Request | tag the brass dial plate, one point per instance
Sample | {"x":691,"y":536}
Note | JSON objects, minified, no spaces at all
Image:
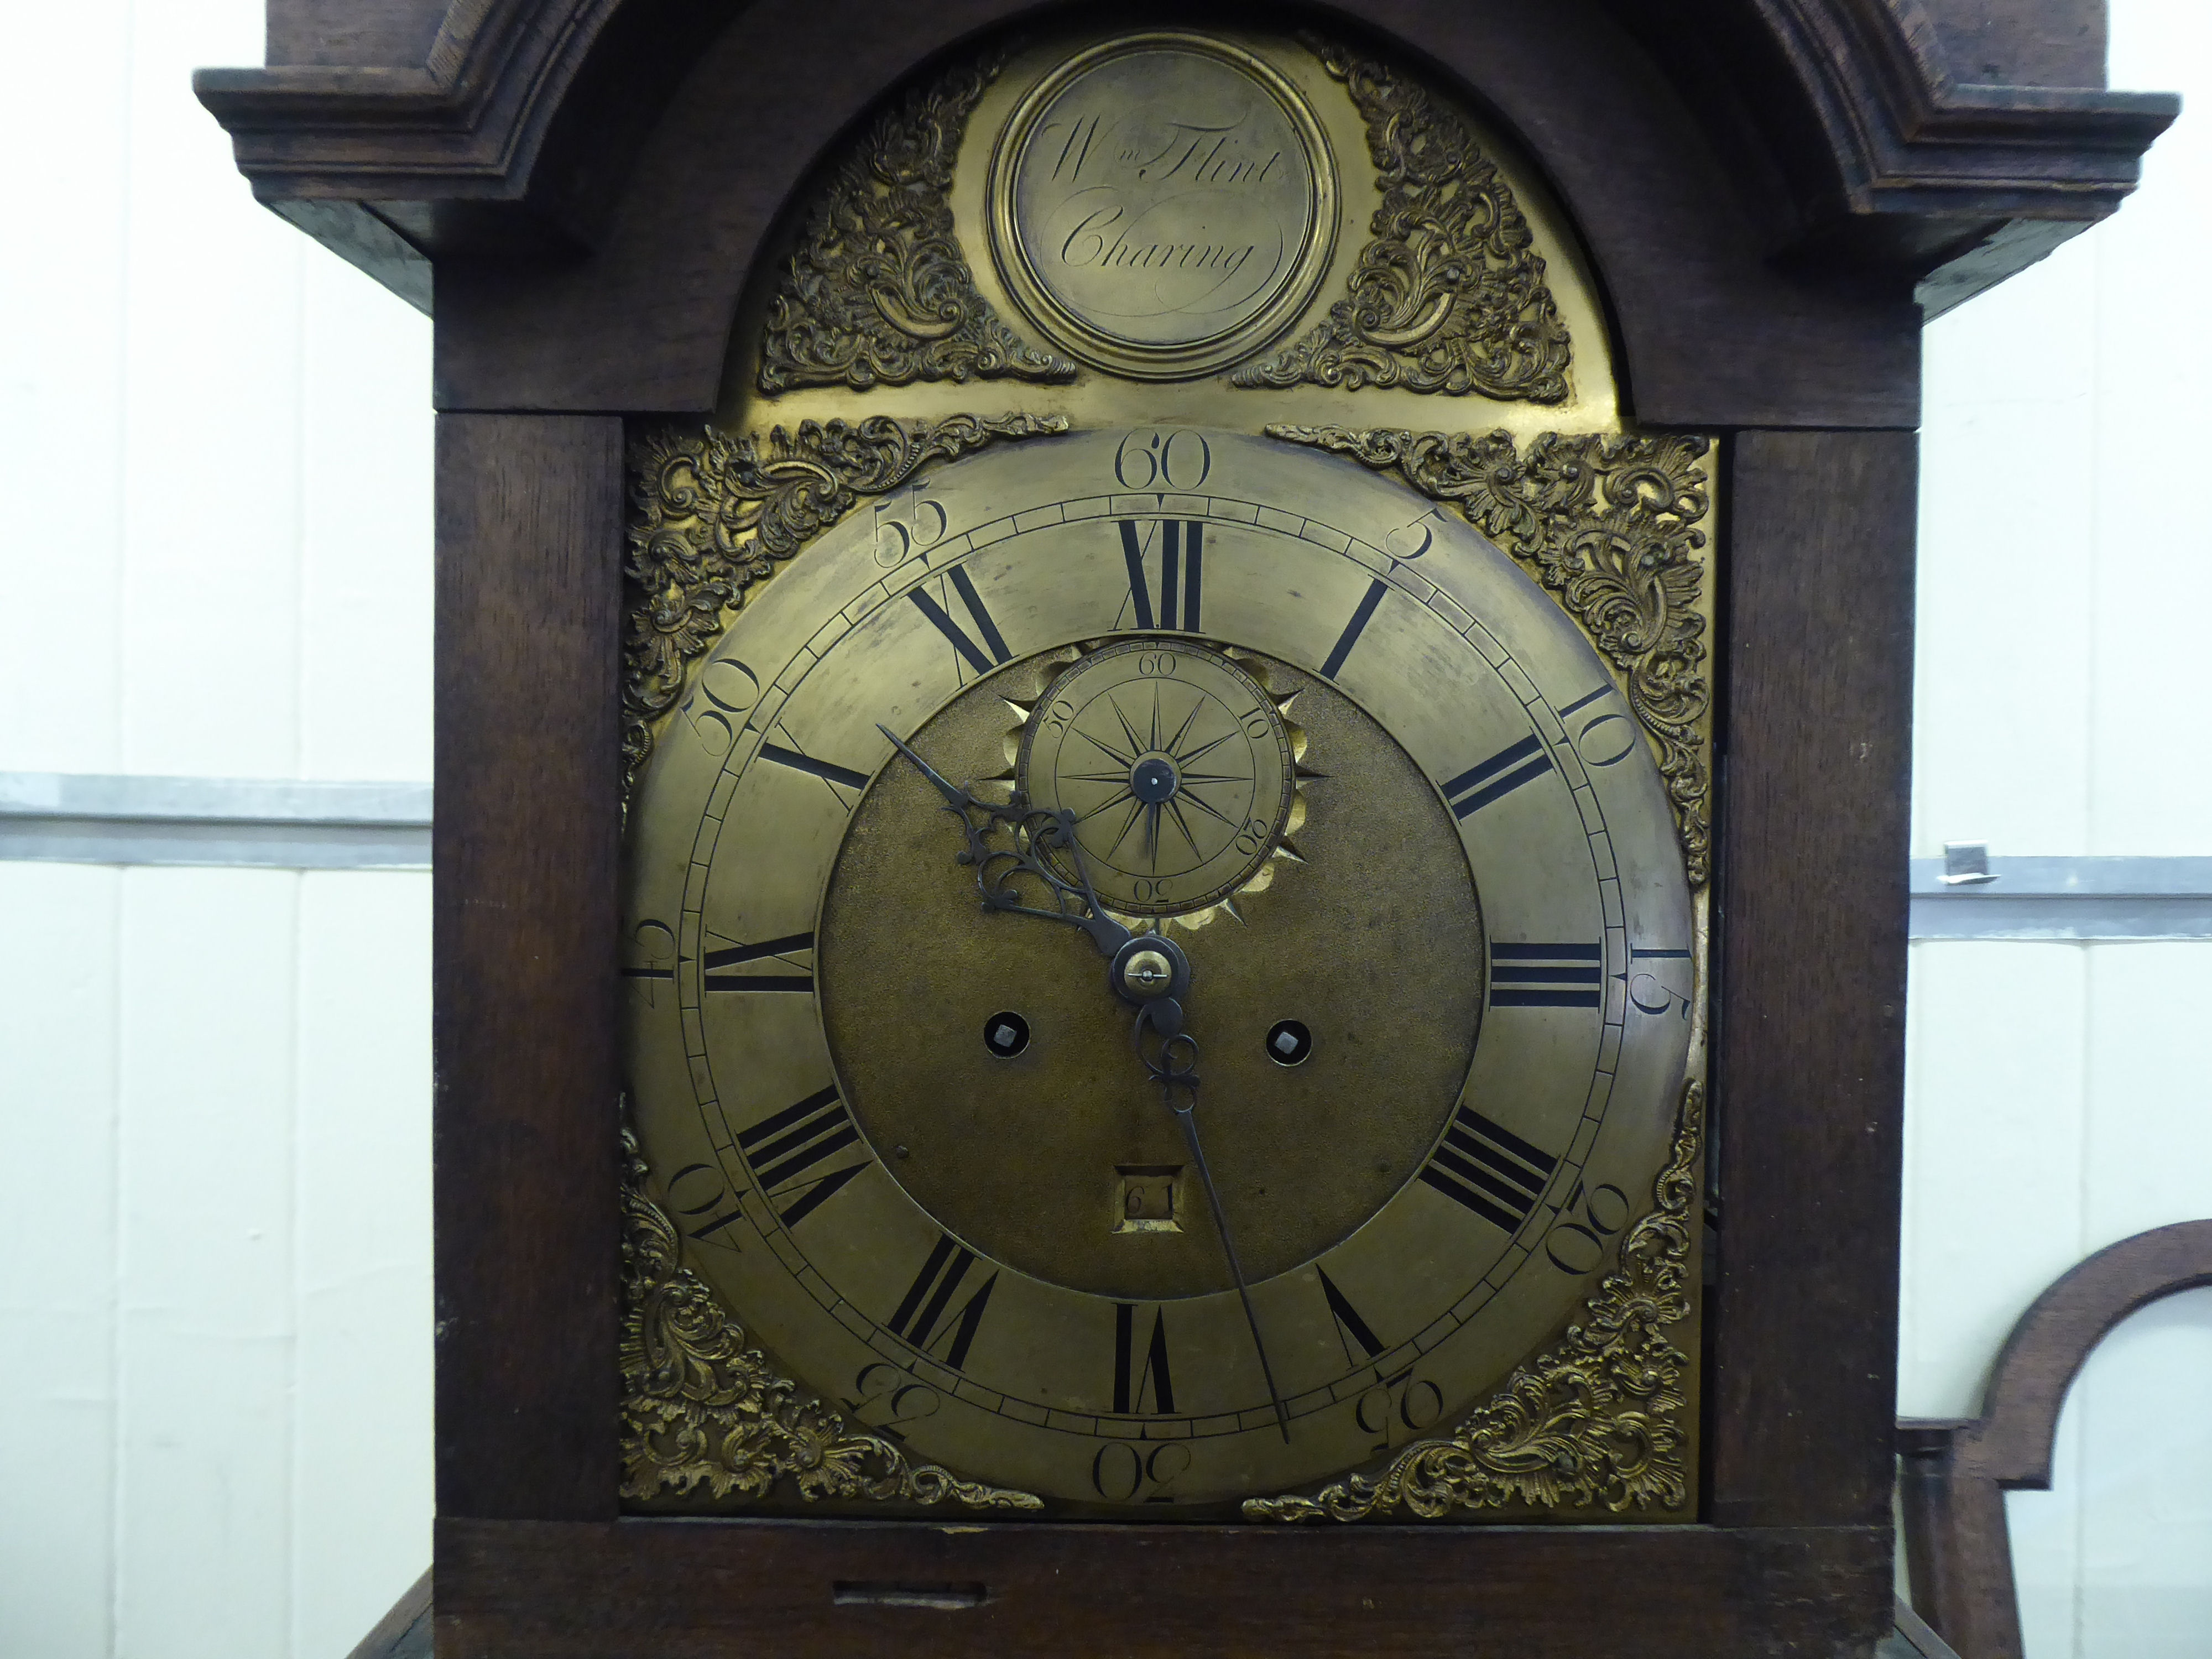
{"x":776,"y":1166}
{"x":1069,"y":1113}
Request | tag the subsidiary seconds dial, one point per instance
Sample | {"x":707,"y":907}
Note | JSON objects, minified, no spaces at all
{"x":1177,"y":764}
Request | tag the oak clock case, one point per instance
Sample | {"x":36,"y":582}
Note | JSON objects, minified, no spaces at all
{"x":1162,"y":964}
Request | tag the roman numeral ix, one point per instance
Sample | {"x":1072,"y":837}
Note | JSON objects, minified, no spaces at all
{"x":1489,"y":1169}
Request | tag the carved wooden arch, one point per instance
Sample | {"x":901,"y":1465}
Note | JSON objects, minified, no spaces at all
{"x":1955,"y":1473}
{"x":598,"y":142}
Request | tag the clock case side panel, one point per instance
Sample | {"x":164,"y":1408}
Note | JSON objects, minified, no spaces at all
{"x":1810,"y":952}
{"x":525,"y":860}
{"x":1805,"y":1062}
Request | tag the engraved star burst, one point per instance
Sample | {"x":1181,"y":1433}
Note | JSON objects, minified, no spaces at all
{"x":1147,"y":727}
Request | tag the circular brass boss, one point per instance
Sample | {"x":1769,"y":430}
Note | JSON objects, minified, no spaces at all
{"x":1162,"y":205}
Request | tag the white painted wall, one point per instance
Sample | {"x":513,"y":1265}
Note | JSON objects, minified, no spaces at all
{"x":214,"y":559}
{"x":2058,"y":1099}
{"x":215,"y":466}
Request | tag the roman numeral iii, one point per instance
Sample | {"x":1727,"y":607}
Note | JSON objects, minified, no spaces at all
{"x":722,"y":966}
{"x":1489,"y":1169}
{"x":1546,"y":976}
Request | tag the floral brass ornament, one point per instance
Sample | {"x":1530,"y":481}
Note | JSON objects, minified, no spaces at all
{"x":1614,"y":526}
{"x":1596,"y":1423}
{"x":712,"y":515}
{"x":702,"y":1412}
{"x":1448,"y":295}
{"x":878,"y":292}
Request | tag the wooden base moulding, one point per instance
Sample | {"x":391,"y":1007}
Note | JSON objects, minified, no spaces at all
{"x":690,"y":1590}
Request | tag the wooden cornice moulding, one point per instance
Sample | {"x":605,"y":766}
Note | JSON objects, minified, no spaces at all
{"x":1959,"y":182}
{"x":465,"y":119}
{"x":1915,"y":166}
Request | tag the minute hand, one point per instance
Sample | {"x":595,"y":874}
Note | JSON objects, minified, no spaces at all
{"x":1179,"y":1085}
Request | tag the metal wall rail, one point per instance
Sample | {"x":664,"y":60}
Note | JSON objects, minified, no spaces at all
{"x":69,"y":818}
{"x":2064,"y":898}
{"x":63,"y":818}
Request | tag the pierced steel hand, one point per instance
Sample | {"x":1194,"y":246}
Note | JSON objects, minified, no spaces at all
{"x":997,"y":867}
{"x":1175,"y":1071}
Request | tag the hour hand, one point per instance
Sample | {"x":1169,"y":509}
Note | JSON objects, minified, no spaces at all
{"x":998,"y":868}
{"x":955,"y":797}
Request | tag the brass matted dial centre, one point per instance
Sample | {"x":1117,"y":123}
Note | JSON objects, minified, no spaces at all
{"x":1027,"y":1159}
{"x":1178,"y":766}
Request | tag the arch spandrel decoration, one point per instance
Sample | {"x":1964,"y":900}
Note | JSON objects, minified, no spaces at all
{"x":1457,"y":292}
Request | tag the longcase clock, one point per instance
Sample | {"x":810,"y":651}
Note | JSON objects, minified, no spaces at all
{"x":1171,"y":786}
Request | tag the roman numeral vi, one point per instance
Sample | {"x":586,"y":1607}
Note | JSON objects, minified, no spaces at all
{"x":1133,"y":1377}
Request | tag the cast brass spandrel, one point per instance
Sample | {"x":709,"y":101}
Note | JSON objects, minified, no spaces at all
{"x":880,"y":292}
{"x":712,"y":514}
{"x":704,"y":1414}
{"x":1602,"y":1422}
{"x":1450,"y":295}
